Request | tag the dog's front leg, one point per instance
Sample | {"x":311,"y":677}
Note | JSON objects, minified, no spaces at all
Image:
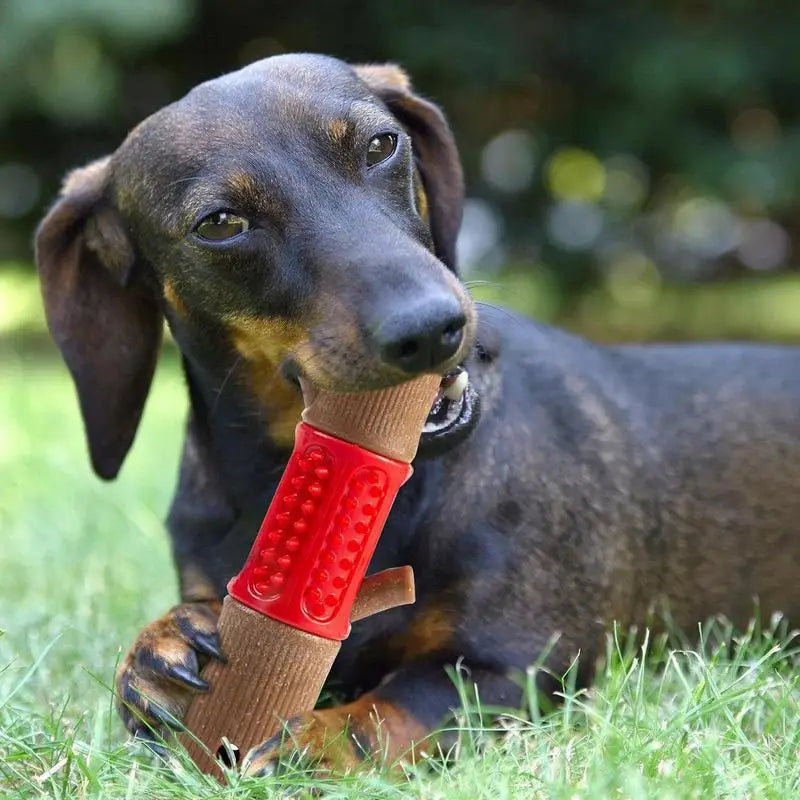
{"x":161,"y":672}
{"x":398,"y":721}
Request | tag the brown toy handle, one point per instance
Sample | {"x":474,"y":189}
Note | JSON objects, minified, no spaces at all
{"x":273,"y":672}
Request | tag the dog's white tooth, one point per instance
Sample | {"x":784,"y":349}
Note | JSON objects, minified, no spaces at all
{"x":456,"y":389}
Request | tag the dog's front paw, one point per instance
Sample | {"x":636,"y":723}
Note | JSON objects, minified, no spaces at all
{"x":324,"y":740}
{"x":161,"y":672}
{"x":340,"y":739}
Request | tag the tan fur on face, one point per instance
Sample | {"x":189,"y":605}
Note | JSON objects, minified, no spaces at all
{"x":172,"y":298}
{"x":264,"y":343}
{"x":243,"y":184}
{"x":336,"y":353}
{"x":421,"y":197}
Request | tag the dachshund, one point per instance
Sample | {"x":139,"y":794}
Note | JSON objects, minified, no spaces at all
{"x":297,"y":220}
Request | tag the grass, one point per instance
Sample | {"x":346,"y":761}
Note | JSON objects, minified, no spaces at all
{"x":83,"y":565}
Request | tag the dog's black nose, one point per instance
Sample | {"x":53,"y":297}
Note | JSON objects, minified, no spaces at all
{"x":423,"y":336}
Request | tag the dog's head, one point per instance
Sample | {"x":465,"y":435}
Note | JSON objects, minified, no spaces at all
{"x":295,"y":218}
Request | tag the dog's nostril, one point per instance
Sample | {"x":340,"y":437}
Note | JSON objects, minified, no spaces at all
{"x":408,"y":348}
{"x":450,"y":339}
{"x":409,"y":353}
{"x":452,"y":334}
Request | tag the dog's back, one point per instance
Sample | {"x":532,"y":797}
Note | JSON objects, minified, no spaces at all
{"x":639,"y":473}
{"x":723,"y":425}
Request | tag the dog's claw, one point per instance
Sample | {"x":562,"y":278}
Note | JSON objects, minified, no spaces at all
{"x":148,"y":739}
{"x":209,"y":644}
{"x":187,"y":677}
{"x":165,"y":718}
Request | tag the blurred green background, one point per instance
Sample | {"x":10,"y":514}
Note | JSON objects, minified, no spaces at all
{"x":633,"y":167}
{"x":633,"y":172}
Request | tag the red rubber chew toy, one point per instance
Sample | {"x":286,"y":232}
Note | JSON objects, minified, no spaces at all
{"x":291,"y":605}
{"x":319,"y":534}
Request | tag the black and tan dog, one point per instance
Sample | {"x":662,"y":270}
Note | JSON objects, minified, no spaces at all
{"x":297,"y":219}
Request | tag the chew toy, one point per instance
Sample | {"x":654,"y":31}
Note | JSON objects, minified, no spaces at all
{"x":287,"y":611}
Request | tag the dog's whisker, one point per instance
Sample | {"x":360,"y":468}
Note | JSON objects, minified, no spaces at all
{"x":471,"y":284}
{"x":509,"y":315}
{"x":221,"y":388}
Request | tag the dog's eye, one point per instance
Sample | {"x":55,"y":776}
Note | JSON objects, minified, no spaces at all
{"x":380,"y":148}
{"x":221,"y":225}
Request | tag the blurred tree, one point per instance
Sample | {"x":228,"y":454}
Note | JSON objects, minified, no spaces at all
{"x":633,"y":141}
{"x":65,"y":95}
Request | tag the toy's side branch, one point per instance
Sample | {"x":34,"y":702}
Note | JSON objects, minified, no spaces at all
{"x":290,"y":606}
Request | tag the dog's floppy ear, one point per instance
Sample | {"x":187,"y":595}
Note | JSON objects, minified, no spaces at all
{"x":434,"y":149}
{"x":107,"y":327}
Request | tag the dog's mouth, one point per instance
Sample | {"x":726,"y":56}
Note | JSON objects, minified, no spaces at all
{"x":454,"y":413}
{"x":451,"y":401}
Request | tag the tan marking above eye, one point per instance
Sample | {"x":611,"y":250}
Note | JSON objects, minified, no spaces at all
{"x":244,"y":185}
{"x":337,"y":129}
{"x":384,"y":76}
